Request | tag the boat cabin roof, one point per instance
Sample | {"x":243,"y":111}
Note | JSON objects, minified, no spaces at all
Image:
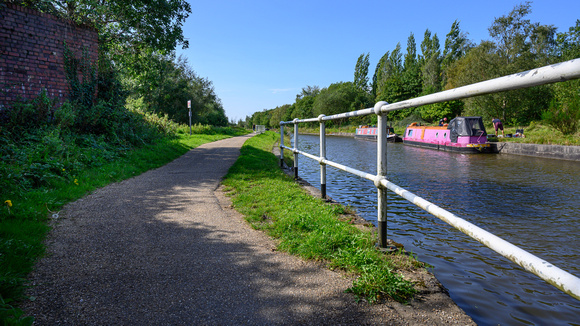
{"x":467,"y":126}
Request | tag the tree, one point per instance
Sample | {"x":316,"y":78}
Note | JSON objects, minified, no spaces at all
{"x":308,"y":91}
{"x":519,"y":46}
{"x":564,"y":111}
{"x":456,"y":46}
{"x":411,"y":76}
{"x":389,"y":83}
{"x":302,"y":107}
{"x":431,"y":63}
{"x":378,"y":75}
{"x":168,"y":83}
{"x":361,"y":72}
{"x":338,"y":98}
{"x":279,"y":114}
{"x":142,"y":23}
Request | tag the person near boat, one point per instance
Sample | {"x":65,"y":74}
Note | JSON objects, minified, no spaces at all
{"x":497,"y":125}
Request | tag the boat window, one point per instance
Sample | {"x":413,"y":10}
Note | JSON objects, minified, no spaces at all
{"x":445,"y":135}
{"x":436,"y":135}
{"x":410,"y":133}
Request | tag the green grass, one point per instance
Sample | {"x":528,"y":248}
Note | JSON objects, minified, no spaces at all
{"x":537,"y":133}
{"x":23,"y":224}
{"x":307,"y":226}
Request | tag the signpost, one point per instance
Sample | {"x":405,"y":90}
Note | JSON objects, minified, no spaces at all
{"x":189,"y":107}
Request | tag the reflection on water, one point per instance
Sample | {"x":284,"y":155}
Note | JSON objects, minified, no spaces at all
{"x":531,"y":202}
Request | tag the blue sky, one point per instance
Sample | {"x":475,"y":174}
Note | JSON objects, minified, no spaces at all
{"x":260,"y":54}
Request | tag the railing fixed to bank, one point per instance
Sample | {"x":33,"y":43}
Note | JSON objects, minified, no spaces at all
{"x":564,"y":71}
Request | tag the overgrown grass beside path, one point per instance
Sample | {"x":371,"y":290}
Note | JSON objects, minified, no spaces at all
{"x":308,"y":226}
{"x":36,"y":185}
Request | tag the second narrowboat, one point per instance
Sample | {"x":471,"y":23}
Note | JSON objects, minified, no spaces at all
{"x":371,"y":133}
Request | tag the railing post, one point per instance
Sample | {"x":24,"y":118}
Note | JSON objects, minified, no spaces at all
{"x":322,"y":156}
{"x":381,"y":173}
{"x":295,"y":148}
{"x":281,"y":145}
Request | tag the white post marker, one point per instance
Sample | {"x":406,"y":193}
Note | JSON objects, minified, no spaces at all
{"x":189,"y":107}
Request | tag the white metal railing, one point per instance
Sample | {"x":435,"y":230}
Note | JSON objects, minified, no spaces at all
{"x":564,"y":71}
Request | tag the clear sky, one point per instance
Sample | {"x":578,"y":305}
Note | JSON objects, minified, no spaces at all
{"x":260,"y":53}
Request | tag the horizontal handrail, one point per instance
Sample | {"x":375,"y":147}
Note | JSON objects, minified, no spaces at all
{"x":567,"y":282}
{"x":561,"y":279}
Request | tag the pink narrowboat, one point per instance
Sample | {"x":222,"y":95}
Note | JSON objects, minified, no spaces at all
{"x":462,"y":134}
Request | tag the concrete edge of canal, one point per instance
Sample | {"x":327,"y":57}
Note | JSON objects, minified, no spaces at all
{"x":560,"y":152}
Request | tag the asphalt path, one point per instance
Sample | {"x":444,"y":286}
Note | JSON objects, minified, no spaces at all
{"x":166,"y":248}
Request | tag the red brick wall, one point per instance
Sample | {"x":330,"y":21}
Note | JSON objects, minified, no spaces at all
{"x":31,"y":53}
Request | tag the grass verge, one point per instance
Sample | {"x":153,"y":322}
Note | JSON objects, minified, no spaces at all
{"x":23,"y":217}
{"x":307,"y":226}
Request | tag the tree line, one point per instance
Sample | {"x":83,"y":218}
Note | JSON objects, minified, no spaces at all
{"x":516,"y":45}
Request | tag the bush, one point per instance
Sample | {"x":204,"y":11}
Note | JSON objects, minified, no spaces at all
{"x":564,"y":111}
{"x":23,"y":115}
{"x":65,"y":115}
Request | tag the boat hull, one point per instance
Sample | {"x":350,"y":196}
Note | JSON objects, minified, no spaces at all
{"x":372,"y":133}
{"x":470,"y":148}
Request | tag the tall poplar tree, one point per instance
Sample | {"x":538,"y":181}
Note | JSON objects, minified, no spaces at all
{"x":361,"y":72}
{"x":431,"y":63}
{"x":411,"y":71}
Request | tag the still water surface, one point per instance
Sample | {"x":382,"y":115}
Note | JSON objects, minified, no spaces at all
{"x":533,"y":203}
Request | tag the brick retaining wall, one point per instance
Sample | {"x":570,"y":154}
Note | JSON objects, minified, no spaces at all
{"x":31,"y":53}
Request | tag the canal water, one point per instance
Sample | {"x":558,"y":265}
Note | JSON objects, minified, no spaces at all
{"x":533,"y":203}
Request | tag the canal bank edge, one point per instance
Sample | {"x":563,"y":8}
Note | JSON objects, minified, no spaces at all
{"x":431,"y":302}
{"x":560,"y":152}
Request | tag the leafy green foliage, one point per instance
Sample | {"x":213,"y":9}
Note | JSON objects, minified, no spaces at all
{"x":430,"y":63}
{"x":32,"y":114}
{"x":11,"y":316}
{"x":519,"y":46}
{"x":153,"y":24}
{"x":168,"y":83}
{"x":361,"y":71}
{"x":564,"y":111}
{"x":339,"y":98}
{"x":434,"y":112}
{"x":82,"y":88}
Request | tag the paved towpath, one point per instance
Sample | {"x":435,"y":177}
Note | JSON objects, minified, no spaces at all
{"x":164,"y":248}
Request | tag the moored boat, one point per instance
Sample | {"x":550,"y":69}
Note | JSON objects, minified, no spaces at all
{"x":371,"y":133}
{"x":462,"y":134}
